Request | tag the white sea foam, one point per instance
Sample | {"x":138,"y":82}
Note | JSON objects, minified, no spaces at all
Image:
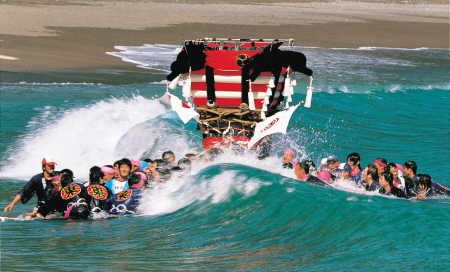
{"x":148,"y":56}
{"x":82,"y":137}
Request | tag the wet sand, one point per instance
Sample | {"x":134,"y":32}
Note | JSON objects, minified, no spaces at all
{"x":64,"y":35}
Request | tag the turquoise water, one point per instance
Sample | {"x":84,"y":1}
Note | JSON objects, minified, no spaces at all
{"x":236,"y":213}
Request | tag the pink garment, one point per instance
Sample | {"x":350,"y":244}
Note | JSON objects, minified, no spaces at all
{"x":354,"y":173}
{"x":136,"y":161}
{"x":143,"y":175}
{"x":324,"y":175}
{"x":139,"y":185}
{"x":290,"y":152}
{"x":304,"y":178}
{"x":68,"y":211}
{"x":380,"y":163}
{"x":107,"y":170}
{"x":399,"y":167}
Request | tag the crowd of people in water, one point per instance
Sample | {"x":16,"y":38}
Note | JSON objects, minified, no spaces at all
{"x":386,"y":178}
{"x":116,"y":189}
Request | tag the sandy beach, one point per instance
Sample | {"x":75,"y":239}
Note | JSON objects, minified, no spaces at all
{"x":64,"y":34}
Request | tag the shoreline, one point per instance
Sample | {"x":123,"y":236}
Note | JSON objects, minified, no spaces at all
{"x":63,"y":37}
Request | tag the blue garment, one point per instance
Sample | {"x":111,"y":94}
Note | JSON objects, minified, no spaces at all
{"x":115,"y":186}
{"x":439,"y":189}
{"x":357,"y":178}
{"x":124,"y":202}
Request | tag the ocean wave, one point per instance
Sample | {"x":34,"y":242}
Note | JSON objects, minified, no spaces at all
{"x":80,"y":137}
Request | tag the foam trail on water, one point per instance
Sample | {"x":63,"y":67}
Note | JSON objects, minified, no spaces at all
{"x":80,"y":138}
{"x":148,"y":56}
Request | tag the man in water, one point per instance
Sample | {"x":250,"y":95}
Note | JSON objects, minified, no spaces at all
{"x":380,"y":164}
{"x":126,"y":201}
{"x":288,"y":159}
{"x":345,"y":173}
{"x":192,"y":156}
{"x":41,"y":184}
{"x":411,"y":179}
{"x":370,"y":178}
{"x":169,"y":156}
{"x":109,"y":172}
{"x":135,"y":165}
{"x":302,"y":173}
{"x":386,"y":180}
{"x":117,"y":185}
{"x":97,"y":193}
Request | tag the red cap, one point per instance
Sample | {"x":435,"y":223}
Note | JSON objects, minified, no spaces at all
{"x":48,"y":161}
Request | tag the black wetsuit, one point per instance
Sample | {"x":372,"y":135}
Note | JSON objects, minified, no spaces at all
{"x":411,"y":186}
{"x":395,"y":192}
{"x":96,"y":196}
{"x":315,"y":180}
{"x":39,"y":185}
{"x":60,"y":202}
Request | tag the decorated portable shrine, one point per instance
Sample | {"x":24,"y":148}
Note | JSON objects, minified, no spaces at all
{"x":238,"y":90}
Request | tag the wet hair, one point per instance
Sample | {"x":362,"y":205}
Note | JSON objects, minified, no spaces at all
{"x":390,"y":166}
{"x":305,"y":166}
{"x":166,"y":155}
{"x":388,"y":177}
{"x":116,"y":163}
{"x":184,"y":164}
{"x":177,"y":169}
{"x":287,"y":165}
{"x":67,"y":177}
{"x":95,"y":175}
{"x":425,"y":180}
{"x":80,"y":211}
{"x":354,"y":158}
{"x":133,"y":179}
{"x":126,"y":162}
{"x":164,"y":173}
{"x":162,"y":163}
{"x":382,"y":160}
{"x":411,"y":165}
{"x":311,"y":164}
{"x":148,"y":161}
{"x":372,"y":171}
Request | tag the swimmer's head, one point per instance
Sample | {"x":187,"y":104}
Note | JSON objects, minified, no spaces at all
{"x":96,"y":175}
{"x":425,"y":182}
{"x":370,"y":171}
{"x":311,"y":164}
{"x":288,"y":156}
{"x":164,"y":173}
{"x":185,"y":164}
{"x":169,"y":156}
{"x":324,"y":176}
{"x":386,"y":177}
{"x":137,"y":180}
{"x":354,"y":159}
{"x":136,"y":164}
{"x":66,"y":177}
{"x":410,"y":166}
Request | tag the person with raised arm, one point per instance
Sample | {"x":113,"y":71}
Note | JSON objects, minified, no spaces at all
{"x":41,"y":184}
